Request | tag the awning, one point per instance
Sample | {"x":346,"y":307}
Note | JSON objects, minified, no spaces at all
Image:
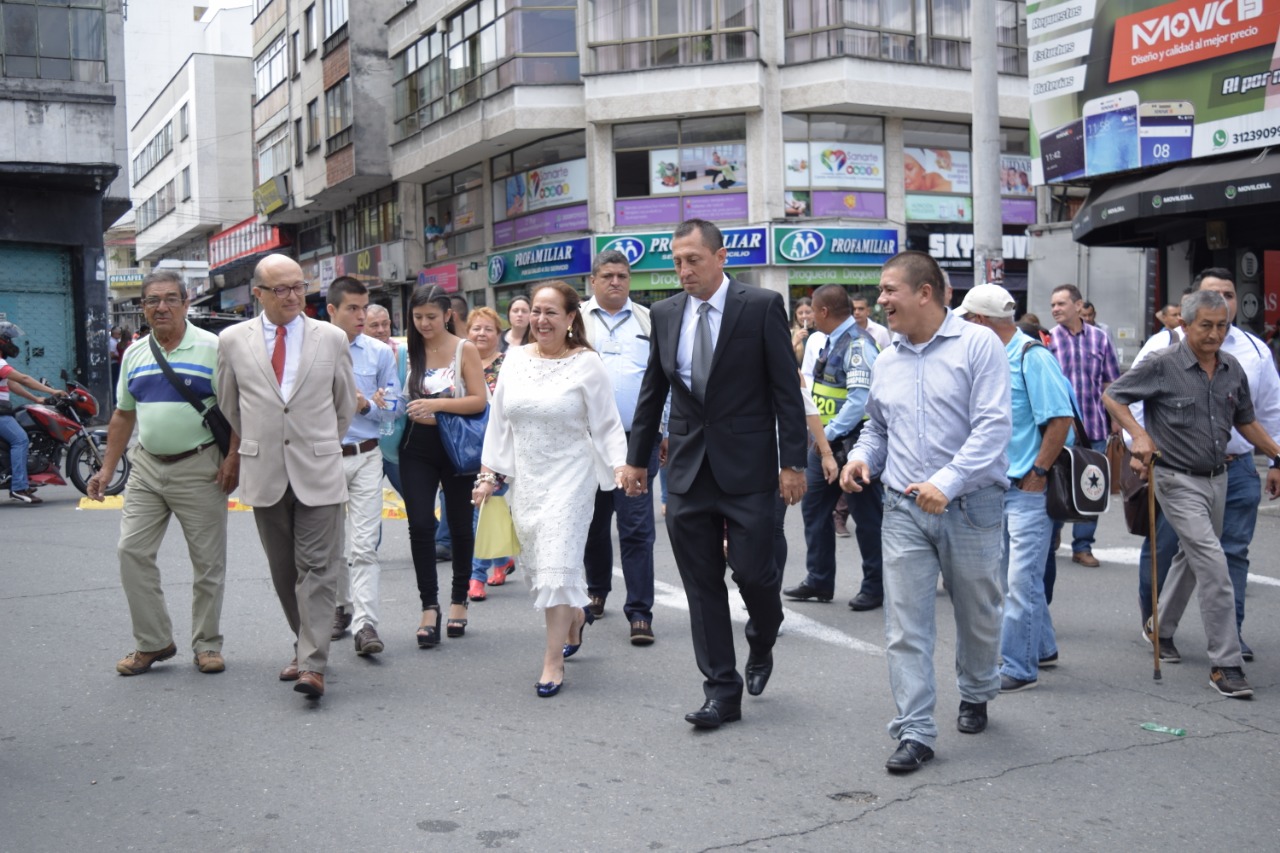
{"x":1134,"y":212}
{"x":200,"y":300}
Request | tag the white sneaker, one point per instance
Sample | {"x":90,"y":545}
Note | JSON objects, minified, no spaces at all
{"x":27,"y":496}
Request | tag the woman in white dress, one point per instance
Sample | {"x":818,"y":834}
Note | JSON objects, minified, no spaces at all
{"x":555,"y":435}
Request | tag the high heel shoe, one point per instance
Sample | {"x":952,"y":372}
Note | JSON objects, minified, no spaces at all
{"x":429,"y":635}
{"x":571,"y":649}
{"x":548,"y":689}
{"x":457,"y":627}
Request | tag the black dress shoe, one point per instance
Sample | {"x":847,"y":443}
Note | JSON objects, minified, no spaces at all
{"x":862,"y":601}
{"x":973,"y":717}
{"x":908,"y":757}
{"x":759,"y":668}
{"x":714,"y":712}
{"x":804,"y":592}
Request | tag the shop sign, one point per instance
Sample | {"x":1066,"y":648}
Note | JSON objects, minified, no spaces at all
{"x":133,"y":278}
{"x":271,"y":196}
{"x":242,"y":240}
{"x":818,"y":276}
{"x":536,"y":263}
{"x":444,"y":277}
{"x":362,"y":265}
{"x":651,"y":251}
{"x":939,"y":208}
{"x":834,"y":246}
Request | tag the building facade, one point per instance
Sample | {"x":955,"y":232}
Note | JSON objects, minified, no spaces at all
{"x":63,"y":180}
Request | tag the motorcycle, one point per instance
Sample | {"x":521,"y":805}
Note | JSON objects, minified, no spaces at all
{"x":56,"y":425}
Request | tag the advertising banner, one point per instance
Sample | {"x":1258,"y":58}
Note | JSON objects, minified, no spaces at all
{"x":537,"y":189}
{"x":1118,"y":85}
{"x":537,"y":263}
{"x":834,"y":165}
{"x":540,"y":224}
{"x":939,"y":208}
{"x":834,"y":246}
{"x":935,"y":170}
{"x":851,"y":205}
{"x":651,"y":252}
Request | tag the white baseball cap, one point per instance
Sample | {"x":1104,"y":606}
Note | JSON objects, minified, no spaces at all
{"x":989,"y":300}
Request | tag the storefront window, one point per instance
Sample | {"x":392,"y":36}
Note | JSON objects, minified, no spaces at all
{"x":834,"y":165}
{"x":937,"y":171}
{"x":453,"y":210}
{"x":674,"y":170}
{"x":627,"y":35}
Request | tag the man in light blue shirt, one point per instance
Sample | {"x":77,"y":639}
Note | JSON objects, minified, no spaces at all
{"x":937,"y":435}
{"x":619,"y":329}
{"x":1042,"y":401}
{"x":375,"y":368}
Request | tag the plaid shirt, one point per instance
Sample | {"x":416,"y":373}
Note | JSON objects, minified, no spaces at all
{"x":1089,"y":363}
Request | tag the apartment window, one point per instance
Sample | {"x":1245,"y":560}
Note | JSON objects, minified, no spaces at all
{"x":184,"y":122}
{"x":314,"y":235}
{"x":875,"y":29}
{"x":373,"y":219}
{"x":313,"y":124}
{"x":295,"y":54}
{"x":335,"y":16}
{"x":186,"y":183}
{"x":297,"y":142}
{"x":681,"y":161}
{"x":825,"y":156}
{"x":1011,"y":37}
{"x":949,"y":34}
{"x":270,"y":68}
{"x":337,"y":110}
{"x":454,"y":213}
{"x":155,"y":208}
{"x":633,"y":34}
{"x":156,"y":149}
{"x":310,"y":30}
{"x":273,"y":154}
{"x":259,"y":6}
{"x":480,"y":51}
{"x":48,"y":40}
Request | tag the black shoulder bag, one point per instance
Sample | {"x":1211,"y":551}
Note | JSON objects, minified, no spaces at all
{"x":1078,"y":487}
{"x":211,"y":415}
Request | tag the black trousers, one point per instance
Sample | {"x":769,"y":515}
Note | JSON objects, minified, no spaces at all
{"x":424,"y":468}
{"x":697,"y":522}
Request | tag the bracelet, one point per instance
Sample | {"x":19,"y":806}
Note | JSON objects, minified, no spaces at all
{"x":490,"y":478}
{"x":827,"y":453}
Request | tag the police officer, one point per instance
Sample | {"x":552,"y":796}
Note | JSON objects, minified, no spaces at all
{"x":841,"y":382}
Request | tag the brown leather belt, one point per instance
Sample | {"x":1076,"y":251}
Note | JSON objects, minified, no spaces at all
{"x":363,"y":447}
{"x":178,"y":457}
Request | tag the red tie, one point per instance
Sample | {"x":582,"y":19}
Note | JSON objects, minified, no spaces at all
{"x":277,"y":355}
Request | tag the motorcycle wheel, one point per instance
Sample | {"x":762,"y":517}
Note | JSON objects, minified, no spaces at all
{"x":82,"y":464}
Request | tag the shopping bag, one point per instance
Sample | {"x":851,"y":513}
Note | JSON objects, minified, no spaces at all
{"x":495,"y":532}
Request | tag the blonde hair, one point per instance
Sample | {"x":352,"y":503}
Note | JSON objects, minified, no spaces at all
{"x":484,"y":312}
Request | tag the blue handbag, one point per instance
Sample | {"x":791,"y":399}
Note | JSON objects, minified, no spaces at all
{"x":463,"y":435}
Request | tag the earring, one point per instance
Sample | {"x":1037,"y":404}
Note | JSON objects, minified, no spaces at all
{"x":571,"y":334}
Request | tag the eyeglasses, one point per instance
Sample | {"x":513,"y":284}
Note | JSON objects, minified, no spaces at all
{"x":283,"y":291}
{"x":173,"y":300}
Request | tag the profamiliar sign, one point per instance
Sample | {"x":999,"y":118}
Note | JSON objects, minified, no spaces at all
{"x":651,"y":251}
{"x":538,"y":263}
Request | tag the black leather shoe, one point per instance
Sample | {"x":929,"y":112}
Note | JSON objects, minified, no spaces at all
{"x":758,"y":671}
{"x":862,"y":601}
{"x":714,"y":712}
{"x":804,"y":592}
{"x":973,"y":717}
{"x":909,"y":757}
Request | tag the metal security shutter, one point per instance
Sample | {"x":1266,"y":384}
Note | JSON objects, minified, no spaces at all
{"x":35,"y":293}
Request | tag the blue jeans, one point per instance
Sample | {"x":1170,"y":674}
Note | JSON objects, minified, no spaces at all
{"x":18,"y":444}
{"x":964,"y":545}
{"x":392,"y":472}
{"x":1082,"y":534}
{"x":1244,"y":494}
{"x":636,"y":535}
{"x":867,"y":510}
{"x":1026,"y":635}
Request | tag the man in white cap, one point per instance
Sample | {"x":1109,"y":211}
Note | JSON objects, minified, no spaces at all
{"x":1042,"y":413}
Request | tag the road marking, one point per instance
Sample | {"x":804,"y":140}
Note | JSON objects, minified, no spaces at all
{"x":669,"y":595}
{"x":1130,"y":556}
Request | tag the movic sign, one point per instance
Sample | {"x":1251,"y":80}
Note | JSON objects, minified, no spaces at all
{"x":651,"y":251}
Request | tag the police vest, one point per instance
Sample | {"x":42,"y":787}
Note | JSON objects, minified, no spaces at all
{"x":830,"y":375}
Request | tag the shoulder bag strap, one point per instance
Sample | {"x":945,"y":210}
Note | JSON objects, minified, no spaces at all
{"x":179,"y":386}
{"x":459,"y":383}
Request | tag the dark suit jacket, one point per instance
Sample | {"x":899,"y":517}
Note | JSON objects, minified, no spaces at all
{"x":753,"y":397}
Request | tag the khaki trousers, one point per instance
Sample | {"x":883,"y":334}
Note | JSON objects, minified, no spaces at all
{"x":187,"y":489}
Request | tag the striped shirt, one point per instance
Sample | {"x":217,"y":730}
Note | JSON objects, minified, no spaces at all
{"x":167,"y":423}
{"x":1089,"y":363}
{"x":1188,"y":415}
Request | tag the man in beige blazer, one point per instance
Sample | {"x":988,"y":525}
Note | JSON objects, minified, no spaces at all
{"x":286,"y":384}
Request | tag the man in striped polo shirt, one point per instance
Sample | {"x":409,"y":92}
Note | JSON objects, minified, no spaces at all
{"x":178,"y":470}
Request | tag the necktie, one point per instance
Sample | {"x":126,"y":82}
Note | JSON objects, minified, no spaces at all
{"x":277,"y":355}
{"x":702,"y":350}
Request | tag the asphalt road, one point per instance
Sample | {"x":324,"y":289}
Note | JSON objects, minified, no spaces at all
{"x":449,"y":749}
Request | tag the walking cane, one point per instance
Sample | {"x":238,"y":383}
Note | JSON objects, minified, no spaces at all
{"x":1155,"y":593}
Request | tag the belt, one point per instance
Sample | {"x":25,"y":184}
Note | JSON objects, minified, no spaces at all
{"x":178,"y":457}
{"x":1210,"y":472}
{"x":363,"y":447}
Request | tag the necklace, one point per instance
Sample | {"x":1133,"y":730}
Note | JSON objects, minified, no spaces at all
{"x":538,"y":349}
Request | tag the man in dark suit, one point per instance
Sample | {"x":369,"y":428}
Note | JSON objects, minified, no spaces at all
{"x":737,"y":438}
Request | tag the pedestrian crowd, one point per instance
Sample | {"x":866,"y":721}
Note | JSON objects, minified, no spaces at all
{"x":936,"y":434}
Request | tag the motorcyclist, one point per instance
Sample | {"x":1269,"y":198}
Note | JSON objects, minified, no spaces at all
{"x":20,"y":490}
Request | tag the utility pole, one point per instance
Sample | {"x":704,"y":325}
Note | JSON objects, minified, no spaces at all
{"x":988,"y":260}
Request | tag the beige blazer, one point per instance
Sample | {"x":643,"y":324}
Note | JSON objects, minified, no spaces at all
{"x":296,"y":443}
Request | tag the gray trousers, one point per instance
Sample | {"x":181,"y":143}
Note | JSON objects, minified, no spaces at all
{"x":1194,"y":507}
{"x":303,"y":544}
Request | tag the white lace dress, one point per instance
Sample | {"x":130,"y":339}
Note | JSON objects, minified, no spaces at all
{"x":554,"y":431}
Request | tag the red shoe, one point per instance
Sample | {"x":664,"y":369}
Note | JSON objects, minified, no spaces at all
{"x":500,"y":573}
{"x":475,"y":591}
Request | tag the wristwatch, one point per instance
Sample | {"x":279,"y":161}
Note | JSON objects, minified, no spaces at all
{"x":799,"y":469}
{"x":1043,"y":472}
{"x":367,"y":407}
{"x":1275,"y":463}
